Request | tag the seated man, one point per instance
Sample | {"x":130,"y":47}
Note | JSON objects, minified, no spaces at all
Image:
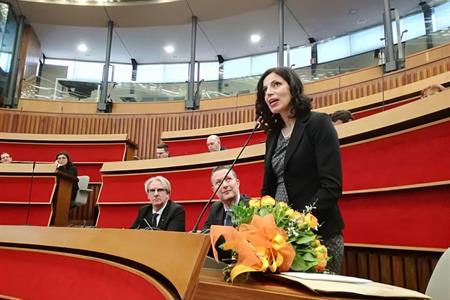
{"x":161,"y":213}
{"x":220,"y":212}
{"x":431,"y":90}
{"x":341,"y":117}
{"x":228,"y":194}
{"x":213,"y":143}
{"x":162,"y":150}
{"x":5,"y":158}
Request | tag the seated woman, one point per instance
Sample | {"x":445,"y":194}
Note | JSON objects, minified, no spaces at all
{"x":64,"y":164}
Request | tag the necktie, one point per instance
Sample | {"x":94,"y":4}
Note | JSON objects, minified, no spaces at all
{"x":227,"y":221}
{"x":154,"y":220}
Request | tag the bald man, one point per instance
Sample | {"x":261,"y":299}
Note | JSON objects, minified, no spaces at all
{"x":213,"y":143}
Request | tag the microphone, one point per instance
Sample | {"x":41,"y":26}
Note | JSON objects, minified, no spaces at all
{"x":195,"y":228}
{"x":148,"y":224}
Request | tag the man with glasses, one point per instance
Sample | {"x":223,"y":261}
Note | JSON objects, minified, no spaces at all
{"x":161,"y":213}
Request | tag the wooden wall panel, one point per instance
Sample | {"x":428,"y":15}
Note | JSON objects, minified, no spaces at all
{"x":405,"y":267}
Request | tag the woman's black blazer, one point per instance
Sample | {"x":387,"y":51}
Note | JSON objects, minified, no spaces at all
{"x":312,"y":169}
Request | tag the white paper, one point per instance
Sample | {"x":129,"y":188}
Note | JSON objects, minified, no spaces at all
{"x":326,"y":277}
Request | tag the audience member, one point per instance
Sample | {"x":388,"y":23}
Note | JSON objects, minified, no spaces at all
{"x":341,"y":117}
{"x":220,"y":212}
{"x":431,"y":90}
{"x":228,"y":194}
{"x":161,"y":213}
{"x":302,"y":165}
{"x":162,"y":150}
{"x":64,"y":164}
{"x":213,"y":143}
{"x":5,"y":158}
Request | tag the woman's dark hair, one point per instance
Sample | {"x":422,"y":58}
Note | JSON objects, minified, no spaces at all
{"x":301,"y":104}
{"x":69,"y":161}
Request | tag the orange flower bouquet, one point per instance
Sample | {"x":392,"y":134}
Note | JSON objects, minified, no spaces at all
{"x":271,"y":236}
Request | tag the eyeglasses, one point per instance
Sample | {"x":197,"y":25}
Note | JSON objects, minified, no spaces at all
{"x":157,"y":190}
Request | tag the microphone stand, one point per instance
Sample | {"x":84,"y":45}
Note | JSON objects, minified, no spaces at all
{"x":194,"y":230}
{"x":30,"y":194}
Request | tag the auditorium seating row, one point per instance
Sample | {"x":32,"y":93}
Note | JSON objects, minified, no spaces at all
{"x":87,"y":152}
{"x":185,"y":142}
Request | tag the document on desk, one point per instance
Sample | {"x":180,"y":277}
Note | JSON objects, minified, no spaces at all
{"x":338,"y":285}
{"x":326,"y":277}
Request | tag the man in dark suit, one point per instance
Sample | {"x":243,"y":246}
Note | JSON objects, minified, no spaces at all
{"x":220,"y":212}
{"x":228,"y":194}
{"x":162,"y":213}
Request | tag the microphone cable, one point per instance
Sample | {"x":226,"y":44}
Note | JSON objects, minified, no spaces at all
{"x":195,"y":228}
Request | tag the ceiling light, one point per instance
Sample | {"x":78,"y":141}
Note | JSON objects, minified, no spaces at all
{"x":255,"y":38}
{"x":169,"y":49}
{"x":82,"y":47}
{"x":361,"y":21}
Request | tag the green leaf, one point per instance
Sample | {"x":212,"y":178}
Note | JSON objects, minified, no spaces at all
{"x":264,"y":211}
{"x":298,"y":264}
{"x":305,"y":239}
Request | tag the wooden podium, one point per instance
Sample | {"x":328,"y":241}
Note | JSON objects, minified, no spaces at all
{"x":75,"y":263}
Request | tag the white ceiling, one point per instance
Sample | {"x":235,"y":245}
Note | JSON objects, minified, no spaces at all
{"x":142,"y":29}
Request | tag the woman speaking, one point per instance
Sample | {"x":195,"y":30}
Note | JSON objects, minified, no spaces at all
{"x":302,"y":164}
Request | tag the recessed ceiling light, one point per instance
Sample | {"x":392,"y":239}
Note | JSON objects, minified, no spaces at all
{"x":353,"y":11}
{"x":169,"y":49}
{"x":82,"y":47}
{"x":361,"y":21}
{"x":255,"y":38}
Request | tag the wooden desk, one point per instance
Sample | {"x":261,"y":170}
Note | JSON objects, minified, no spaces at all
{"x":34,"y":194}
{"x":212,"y":286}
{"x":88,"y":151}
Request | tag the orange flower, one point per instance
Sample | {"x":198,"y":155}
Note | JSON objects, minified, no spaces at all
{"x":260,"y":245}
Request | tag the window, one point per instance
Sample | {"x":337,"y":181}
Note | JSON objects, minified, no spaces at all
{"x":260,"y":63}
{"x":301,"y":56}
{"x":366,"y":40}
{"x":442,"y":16}
{"x":333,"y":49}
{"x":209,"y":71}
{"x":237,"y":68}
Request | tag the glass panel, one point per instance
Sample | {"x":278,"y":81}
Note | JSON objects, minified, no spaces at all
{"x":333,"y":49}
{"x":209,"y":70}
{"x":122,"y":72}
{"x":366,"y":40}
{"x":150,"y":73}
{"x":8,"y":33}
{"x":260,"y":63}
{"x":237,"y":67}
{"x":442,"y":16}
{"x":301,"y":56}
{"x":414,"y":24}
